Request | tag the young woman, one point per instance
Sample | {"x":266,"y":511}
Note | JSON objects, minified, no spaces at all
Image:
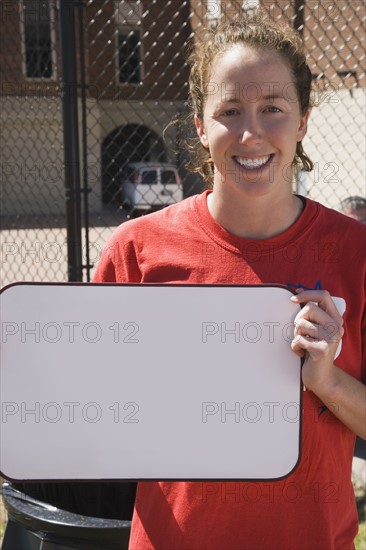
{"x":250,"y":92}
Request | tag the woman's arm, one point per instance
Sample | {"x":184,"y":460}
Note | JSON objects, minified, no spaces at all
{"x":318,"y":330}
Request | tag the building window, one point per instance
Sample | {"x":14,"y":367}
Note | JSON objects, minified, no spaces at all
{"x":37,"y":38}
{"x":128,"y":16}
{"x":129,"y":55}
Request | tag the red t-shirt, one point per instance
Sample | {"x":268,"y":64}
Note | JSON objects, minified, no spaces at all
{"x":314,"y":507}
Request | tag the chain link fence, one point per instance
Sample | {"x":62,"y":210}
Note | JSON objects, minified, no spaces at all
{"x":105,"y":159}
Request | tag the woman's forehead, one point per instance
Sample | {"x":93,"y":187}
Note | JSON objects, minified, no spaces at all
{"x":250,"y":58}
{"x":242,"y":71}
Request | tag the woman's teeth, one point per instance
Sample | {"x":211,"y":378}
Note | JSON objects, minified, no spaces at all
{"x":252,"y":163}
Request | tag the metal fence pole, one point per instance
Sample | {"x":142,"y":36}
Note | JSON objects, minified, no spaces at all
{"x":85,"y":189}
{"x":71,"y":138}
{"x":299,"y":16}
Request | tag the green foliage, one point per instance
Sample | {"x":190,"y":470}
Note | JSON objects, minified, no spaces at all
{"x":360,"y":540}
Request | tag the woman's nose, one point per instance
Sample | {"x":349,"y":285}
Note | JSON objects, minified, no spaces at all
{"x":251,"y":130}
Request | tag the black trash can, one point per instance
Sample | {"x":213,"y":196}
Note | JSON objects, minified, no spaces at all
{"x":37,"y":525}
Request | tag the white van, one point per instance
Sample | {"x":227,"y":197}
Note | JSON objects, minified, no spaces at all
{"x":145,"y":185}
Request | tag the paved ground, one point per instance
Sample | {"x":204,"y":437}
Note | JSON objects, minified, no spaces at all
{"x":39,"y":253}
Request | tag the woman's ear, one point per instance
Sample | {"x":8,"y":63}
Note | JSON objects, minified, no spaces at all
{"x":201,"y":131}
{"x":303,"y":126}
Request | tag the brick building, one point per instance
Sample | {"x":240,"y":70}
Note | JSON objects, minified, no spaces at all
{"x":131,"y":54}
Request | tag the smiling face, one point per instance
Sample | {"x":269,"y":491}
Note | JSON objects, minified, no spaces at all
{"x":251,"y":123}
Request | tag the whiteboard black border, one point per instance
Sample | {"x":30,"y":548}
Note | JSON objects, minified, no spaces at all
{"x":173,"y":480}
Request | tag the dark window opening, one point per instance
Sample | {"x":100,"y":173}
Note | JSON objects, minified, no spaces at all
{"x":167,"y":177}
{"x":129,"y":56}
{"x":37,"y":39}
{"x":149,"y":177}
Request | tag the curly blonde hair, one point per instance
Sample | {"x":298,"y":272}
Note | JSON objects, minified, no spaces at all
{"x":256,"y":30}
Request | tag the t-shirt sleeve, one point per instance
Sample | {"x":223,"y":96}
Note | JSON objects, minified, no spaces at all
{"x":119,"y":261}
{"x":106,"y":271}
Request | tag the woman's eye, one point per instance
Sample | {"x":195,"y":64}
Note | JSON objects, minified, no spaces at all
{"x":272,"y":109}
{"x":230,"y":112}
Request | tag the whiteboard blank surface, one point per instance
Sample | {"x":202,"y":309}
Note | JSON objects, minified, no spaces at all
{"x":148,"y":382}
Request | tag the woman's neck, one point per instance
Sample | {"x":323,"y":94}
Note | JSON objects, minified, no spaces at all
{"x":257,"y":218}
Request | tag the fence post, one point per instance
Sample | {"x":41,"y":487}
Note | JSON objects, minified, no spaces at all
{"x":299,"y":21}
{"x":69,"y":89}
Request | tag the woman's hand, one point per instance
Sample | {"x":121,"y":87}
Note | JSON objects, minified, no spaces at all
{"x":318,"y":331}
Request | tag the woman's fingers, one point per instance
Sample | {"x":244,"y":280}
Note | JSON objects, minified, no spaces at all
{"x":316,"y":348}
{"x":318,"y":298}
{"x":318,"y":325}
{"x":329,"y":330}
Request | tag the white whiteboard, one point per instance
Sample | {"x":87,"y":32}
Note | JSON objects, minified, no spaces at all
{"x":139,"y":382}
